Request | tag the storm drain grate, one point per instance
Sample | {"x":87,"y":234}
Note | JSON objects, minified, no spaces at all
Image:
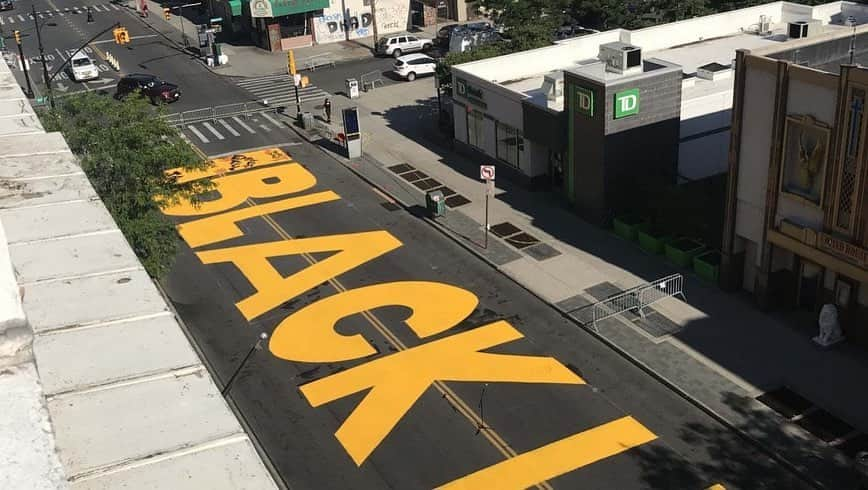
{"x":505,"y":229}
{"x":456,"y":200}
{"x":414,"y":176}
{"x":426,"y":184}
{"x":390,"y":206}
{"x":542,"y":251}
{"x":785,"y":401}
{"x":522,"y":240}
{"x":401,"y":168}
{"x":824,"y":425}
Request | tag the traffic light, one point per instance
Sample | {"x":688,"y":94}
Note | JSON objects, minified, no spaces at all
{"x":17,"y":37}
{"x":290,"y":62}
{"x":167,"y":13}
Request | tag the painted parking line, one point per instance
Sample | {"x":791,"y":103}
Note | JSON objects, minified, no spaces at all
{"x":213,"y":131}
{"x":229,"y":128}
{"x":243,"y":125}
{"x":276,"y":124}
{"x":198,"y":134}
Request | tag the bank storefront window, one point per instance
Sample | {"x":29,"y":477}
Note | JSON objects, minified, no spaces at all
{"x":510,"y":144}
{"x":475,"y":129}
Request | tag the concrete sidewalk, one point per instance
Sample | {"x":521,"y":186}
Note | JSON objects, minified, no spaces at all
{"x":716,"y":350}
{"x":121,"y":399}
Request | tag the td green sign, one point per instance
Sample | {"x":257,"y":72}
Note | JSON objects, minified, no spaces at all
{"x":626,"y":103}
{"x":584,"y":101}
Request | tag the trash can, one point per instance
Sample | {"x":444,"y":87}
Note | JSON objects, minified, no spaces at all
{"x":436,"y":203}
{"x":352,"y":88}
{"x":307,"y":120}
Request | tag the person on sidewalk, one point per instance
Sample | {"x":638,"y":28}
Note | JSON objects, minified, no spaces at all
{"x":145,"y":9}
{"x":89,"y":14}
{"x":327,"y":108}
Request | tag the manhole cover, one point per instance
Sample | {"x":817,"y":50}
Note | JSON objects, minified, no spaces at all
{"x":785,"y":401}
{"x":522,"y":240}
{"x":456,"y":200}
{"x":504,"y":229}
{"x":414,"y":176}
{"x":401,"y":168}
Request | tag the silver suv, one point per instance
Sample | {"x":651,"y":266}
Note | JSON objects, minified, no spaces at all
{"x":397,"y":45}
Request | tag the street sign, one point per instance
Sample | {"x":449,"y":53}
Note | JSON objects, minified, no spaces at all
{"x":296,"y":79}
{"x":486,"y":172}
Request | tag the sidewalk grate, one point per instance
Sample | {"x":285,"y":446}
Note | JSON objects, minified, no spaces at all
{"x":456,"y":201}
{"x":401,"y":168}
{"x":505,"y":229}
{"x":785,"y":401}
{"x":542,"y":251}
{"x":426,"y":184}
{"x":824,"y":425}
{"x":854,"y":445}
{"x":446,"y":191}
{"x":414,"y":176}
{"x":522,"y":240}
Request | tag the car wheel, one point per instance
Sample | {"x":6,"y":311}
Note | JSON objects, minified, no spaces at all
{"x":411,"y":76}
{"x":396,"y":53}
{"x":426,"y":46}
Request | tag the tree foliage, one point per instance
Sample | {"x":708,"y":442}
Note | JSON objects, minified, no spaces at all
{"x":125,"y":149}
{"x":444,"y":66}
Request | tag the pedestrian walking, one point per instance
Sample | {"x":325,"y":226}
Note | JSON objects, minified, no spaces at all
{"x":144,"y":8}
{"x":327,"y":107}
{"x":89,"y":14}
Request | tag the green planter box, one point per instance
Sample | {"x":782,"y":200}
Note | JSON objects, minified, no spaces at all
{"x":652,"y":241}
{"x":681,"y":252}
{"x":707,"y":265}
{"x":627,"y":226}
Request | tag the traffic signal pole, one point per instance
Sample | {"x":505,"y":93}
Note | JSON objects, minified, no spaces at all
{"x":24,"y":65}
{"x":42,"y":58}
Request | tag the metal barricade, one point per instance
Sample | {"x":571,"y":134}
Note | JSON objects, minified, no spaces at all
{"x":638,"y":298}
{"x":369,"y":80}
{"x":315,"y":61}
{"x":244,"y":109}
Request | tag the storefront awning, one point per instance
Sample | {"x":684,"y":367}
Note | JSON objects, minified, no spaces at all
{"x":235,"y":6}
{"x":278,"y":8}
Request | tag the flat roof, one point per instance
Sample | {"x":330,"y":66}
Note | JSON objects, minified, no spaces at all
{"x":709,"y":41}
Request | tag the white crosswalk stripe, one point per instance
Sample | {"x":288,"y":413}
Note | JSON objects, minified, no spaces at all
{"x":228,"y":128}
{"x":198,"y":134}
{"x":243,"y":125}
{"x":213,"y":131}
{"x":278,"y":90}
{"x":272,"y":121}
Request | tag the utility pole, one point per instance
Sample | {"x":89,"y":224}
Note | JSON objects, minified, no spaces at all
{"x":374,"y":20}
{"x":29,"y":93}
{"x":45,"y":77}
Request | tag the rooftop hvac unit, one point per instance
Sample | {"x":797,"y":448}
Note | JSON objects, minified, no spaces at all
{"x":765,"y":25}
{"x":801,"y":29}
{"x":621,"y":57}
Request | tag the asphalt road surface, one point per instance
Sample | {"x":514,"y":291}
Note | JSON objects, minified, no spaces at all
{"x":350,"y":393}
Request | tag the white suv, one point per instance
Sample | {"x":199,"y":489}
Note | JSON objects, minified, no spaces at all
{"x":402,"y":43}
{"x":412,"y":65}
{"x":82,"y":68}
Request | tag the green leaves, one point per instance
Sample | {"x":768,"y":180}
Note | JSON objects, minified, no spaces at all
{"x":125,"y":148}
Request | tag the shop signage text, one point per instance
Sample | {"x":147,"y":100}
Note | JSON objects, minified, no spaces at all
{"x":847,"y":251}
{"x":474,"y":95}
{"x":626,"y":103}
{"x":585,"y":101}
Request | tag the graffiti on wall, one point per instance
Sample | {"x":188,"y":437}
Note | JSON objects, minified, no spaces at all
{"x":357,"y":22}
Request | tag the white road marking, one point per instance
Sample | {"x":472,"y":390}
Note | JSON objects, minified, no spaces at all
{"x":40,"y":16}
{"x":266,"y":128}
{"x":11,"y":20}
{"x":213,"y":131}
{"x":95,"y":8}
{"x":241,"y":123}
{"x":115,"y":7}
{"x":198,"y":134}
{"x":22,"y":19}
{"x":229,"y":128}
{"x":266,"y":116}
{"x":61,"y":54}
{"x":1,"y":21}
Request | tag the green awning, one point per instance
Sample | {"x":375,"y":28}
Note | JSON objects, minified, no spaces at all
{"x":279,"y":8}
{"x":235,"y":6}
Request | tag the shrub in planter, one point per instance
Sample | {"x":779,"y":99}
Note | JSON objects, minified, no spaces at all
{"x":682,"y":251}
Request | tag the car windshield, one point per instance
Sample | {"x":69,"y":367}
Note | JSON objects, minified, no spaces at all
{"x":81,"y":62}
{"x":399,"y":63}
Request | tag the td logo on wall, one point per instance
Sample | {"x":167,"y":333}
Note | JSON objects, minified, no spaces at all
{"x":626,"y":103}
{"x":585,"y":101}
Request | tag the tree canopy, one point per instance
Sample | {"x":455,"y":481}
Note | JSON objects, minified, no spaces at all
{"x":125,"y":149}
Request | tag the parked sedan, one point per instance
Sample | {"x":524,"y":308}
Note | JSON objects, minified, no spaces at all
{"x":6,"y":5}
{"x":149,"y":86}
{"x":410,"y":66}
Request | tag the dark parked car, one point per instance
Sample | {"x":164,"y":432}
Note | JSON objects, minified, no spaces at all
{"x":150,"y":86}
{"x":444,"y":33}
{"x":6,"y":5}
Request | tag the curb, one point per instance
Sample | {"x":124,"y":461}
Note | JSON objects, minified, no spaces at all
{"x":771,"y":453}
